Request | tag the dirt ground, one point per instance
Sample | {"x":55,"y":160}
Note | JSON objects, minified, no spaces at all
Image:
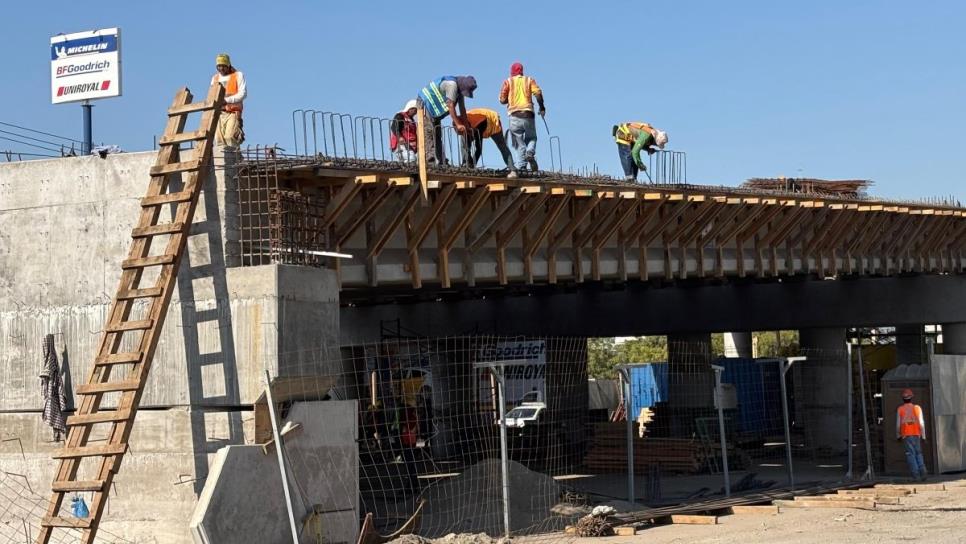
{"x":928,"y":516}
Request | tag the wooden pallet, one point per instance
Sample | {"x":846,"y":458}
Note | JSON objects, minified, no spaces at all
{"x":131,"y":297}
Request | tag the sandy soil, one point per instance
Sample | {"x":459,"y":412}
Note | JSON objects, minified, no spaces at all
{"x":929,"y":516}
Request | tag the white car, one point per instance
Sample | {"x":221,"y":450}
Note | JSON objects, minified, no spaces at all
{"x":528,"y":413}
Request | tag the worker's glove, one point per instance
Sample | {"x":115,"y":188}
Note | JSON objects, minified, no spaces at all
{"x":543,"y":111}
{"x":641,"y":165}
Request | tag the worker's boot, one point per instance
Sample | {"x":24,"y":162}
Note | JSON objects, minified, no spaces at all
{"x":512,"y":175}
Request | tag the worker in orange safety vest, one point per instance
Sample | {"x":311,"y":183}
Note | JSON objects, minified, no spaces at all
{"x":230,"y":131}
{"x":911,"y":431}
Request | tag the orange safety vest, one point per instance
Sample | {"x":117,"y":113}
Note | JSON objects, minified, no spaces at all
{"x":231,"y":87}
{"x":492,"y":118}
{"x":520,"y":91}
{"x":909,"y":415}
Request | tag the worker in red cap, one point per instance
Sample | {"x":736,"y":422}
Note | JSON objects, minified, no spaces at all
{"x":911,"y":431}
{"x":517,"y":93}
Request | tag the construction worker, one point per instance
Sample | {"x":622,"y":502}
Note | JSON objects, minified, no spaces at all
{"x":485,"y":123}
{"x":441,"y":97}
{"x":402,"y":133}
{"x":631,"y":139}
{"x":911,"y":431}
{"x":230,"y":132}
{"x":517,"y":93}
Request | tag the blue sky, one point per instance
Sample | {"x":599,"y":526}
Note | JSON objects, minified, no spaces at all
{"x":832,"y":89}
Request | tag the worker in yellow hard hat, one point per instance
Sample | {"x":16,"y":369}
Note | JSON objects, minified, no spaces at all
{"x":230,"y":132}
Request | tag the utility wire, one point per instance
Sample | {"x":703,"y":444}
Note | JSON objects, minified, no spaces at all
{"x":31,"y":138}
{"x":40,"y":132}
{"x":30,"y":144}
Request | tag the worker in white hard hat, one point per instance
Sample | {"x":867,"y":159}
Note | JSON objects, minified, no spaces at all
{"x":402,"y":133}
{"x":231,"y":132}
{"x":631,"y":139}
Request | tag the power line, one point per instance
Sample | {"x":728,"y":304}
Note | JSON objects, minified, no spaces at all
{"x":30,"y":144}
{"x":40,"y":132}
{"x":31,"y":138}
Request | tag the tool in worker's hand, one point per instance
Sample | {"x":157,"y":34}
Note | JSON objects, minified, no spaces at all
{"x":648,"y":174}
{"x":543,"y":116}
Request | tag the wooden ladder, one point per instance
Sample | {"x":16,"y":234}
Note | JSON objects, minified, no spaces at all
{"x":142,"y":331}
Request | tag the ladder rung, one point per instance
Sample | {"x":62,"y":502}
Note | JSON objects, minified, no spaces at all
{"x":100,"y":417}
{"x":107,"y":387}
{"x":175,"y":167}
{"x":168,"y":198}
{"x":90,"y":451}
{"x":118,"y":358}
{"x":57,"y":521}
{"x":154,"y":230}
{"x":139,"y":293}
{"x":190,"y":108}
{"x":140,"y":325}
{"x":77,"y":486}
{"x":147,"y":261}
{"x":191,"y":136}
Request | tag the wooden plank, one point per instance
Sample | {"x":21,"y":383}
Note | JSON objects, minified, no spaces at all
{"x":422,"y":230}
{"x":147,"y":292}
{"x":506,"y":209}
{"x":90,"y":451}
{"x":369,"y":208}
{"x":139,"y":325}
{"x":169,"y":198}
{"x":145,"y":262}
{"x":190,"y":108}
{"x":755,"y":510}
{"x":77,"y":486}
{"x":688,"y":519}
{"x":339,"y":203}
{"x":421,"y":152}
{"x":405,"y":205}
{"x":73,"y":523}
{"x":118,"y":358}
{"x":156,"y":230}
{"x":175,"y":168}
{"x":823,"y":503}
{"x":625,"y":530}
{"x":107,"y":387}
{"x":183,"y":137}
{"x":108,"y":416}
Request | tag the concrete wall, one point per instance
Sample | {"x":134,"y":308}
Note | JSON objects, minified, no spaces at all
{"x":243,"y":501}
{"x":64,"y":230}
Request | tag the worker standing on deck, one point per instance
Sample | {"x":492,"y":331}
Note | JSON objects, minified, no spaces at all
{"x":402,"y":133}
{"x":485,"y":123}
{"x":517,"y":93}
{"x":230,"y":132}
{"x":911,"y":430}
{"x":441,"y":97}
{"x":631,"y":139}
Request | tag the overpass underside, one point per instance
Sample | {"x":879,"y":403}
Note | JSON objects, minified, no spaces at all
{"x":474,"y":230}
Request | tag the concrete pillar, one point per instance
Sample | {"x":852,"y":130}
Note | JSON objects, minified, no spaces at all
{"x":690,"y":379}
{"x":910,"y":345}
{"x":738,"y":344}
{"x":821,"y":389}
{"x":954,"y":338}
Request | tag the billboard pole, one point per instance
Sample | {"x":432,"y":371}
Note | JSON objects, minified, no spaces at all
{"x":88,"y":130}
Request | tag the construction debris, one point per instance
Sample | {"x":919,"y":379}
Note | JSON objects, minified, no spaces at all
{"x":846,"y":188}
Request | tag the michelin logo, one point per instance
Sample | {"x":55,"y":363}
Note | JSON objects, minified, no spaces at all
{"x":84,"y":46}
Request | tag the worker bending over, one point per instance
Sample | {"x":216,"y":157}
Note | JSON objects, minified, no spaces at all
{"x":441,"y":97}
{"x":517,"y":93}
{"x":911,"y":431}
{"x":231,"y":132}
{"x":631,"y":139}
{"x":402,"y":133}
{"x":485,"y":123}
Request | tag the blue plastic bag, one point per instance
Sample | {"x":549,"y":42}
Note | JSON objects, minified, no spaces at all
{"x":79,"y":507}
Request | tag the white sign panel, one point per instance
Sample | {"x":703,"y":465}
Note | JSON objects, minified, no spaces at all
{"x":85,"y":65}
{"x":520,"y":379}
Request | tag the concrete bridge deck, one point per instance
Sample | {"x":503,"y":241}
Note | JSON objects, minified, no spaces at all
{"x":476,"y":229}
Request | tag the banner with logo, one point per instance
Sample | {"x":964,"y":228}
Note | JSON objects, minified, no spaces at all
{"x":85,"y":65}
{"x":529,"y":376}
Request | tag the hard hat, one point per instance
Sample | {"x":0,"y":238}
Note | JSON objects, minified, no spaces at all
{"x":907,"y":394}
{"x":409,"y":106}
{"x":222,"y":59}
{"x":661,"y":139}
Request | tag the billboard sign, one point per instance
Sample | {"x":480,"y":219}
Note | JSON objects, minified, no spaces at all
{"x":526,"y":377}
{"x":85,"y":65}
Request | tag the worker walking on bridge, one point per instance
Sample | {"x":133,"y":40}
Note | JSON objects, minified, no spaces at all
{"x":231,"y":132}
{"x":441,"y":97}
{"x":485,"y":123}
{"x":911,"y":430}
{"x":631,"y":139}
{"x":517,"y":93}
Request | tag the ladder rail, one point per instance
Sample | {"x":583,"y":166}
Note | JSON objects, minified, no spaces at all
{"x":123,"y":305}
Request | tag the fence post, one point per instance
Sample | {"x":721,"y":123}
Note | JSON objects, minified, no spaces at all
{"x":719,"y":401}
{"x":869,"y":472}
{"x":626,"y":375}
{"x":848,"y":440}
